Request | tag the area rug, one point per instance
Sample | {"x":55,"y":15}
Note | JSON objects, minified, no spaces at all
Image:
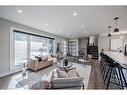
{"x":33,"y":77}
{"x":84,"y":71}
{"x":27,"y":82}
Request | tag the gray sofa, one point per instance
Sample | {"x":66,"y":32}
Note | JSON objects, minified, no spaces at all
{"x":65,"y":83}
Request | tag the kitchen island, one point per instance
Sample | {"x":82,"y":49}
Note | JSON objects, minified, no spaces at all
{"x":120,"y":72}
{"x":119,"y":57}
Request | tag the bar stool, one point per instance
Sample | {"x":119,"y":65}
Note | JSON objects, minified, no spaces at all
{"x":115,"y":71}
{"x":104,"y":61}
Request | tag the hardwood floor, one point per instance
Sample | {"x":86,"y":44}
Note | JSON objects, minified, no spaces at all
{"x":95,"y":80}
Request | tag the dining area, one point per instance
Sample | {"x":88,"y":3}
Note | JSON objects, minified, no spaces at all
{"x":113,"y":67}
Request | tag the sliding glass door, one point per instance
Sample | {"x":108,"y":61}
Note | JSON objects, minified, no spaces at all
{"x":20,"y":47}
{"x":18,"y":50}
{"x":24,"y":46}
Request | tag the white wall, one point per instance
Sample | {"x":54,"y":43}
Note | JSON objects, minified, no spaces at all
{"x":83,"y":44}
{"x":103,"y":42}
{"x":5,"y":41}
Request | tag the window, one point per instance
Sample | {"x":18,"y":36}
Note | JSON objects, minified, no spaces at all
{"x":28,"y":45}
{"x":50,"y":46}
{"x":116,"y":44}
{"x":64,"y":47}
{"x":20,"y":47}
{"x":39,"y":45}
{"x":72,"y":48}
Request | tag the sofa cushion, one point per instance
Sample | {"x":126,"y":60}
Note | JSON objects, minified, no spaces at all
{"x":72,"y":72}
{"x":61,"y":74}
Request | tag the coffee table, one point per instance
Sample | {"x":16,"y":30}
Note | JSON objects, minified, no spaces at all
{"x":61,"y":65}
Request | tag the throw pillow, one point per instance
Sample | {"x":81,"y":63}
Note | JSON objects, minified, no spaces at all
{"x":72,"y":73}
{"x":61,"y":74}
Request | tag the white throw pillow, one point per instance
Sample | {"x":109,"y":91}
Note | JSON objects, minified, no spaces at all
{"x":61,"y":74}
{"x":72,"y":73}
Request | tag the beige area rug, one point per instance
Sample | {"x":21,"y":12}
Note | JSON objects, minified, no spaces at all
{"x":84,"y":71}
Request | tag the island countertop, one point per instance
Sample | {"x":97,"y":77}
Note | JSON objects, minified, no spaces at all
{"x":117,"y":56}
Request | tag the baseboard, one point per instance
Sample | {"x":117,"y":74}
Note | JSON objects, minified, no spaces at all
{"x":4,"y":74}
{"x":9,"y":73}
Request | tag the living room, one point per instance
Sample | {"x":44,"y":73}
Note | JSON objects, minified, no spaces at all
{"x":62,"y":47}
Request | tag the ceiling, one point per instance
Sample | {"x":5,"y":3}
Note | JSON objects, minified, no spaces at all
{"x":59,"y":20}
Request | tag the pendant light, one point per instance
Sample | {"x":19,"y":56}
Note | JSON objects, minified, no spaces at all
{"x":109,"y":35}
{"x":116,"y":29}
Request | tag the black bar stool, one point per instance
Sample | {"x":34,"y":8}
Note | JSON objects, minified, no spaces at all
{"x":115,"y":71}
{"x":104,"y":60}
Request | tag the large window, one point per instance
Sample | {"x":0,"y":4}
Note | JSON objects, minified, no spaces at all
{"x":28,"y":45}
{"x":116,"y":44}
{"x":39,"y":46}
{"x":20,"y":48}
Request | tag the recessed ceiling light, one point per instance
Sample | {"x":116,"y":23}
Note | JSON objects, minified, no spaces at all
{"x":74,"y":13}
{"x":82,"y":26}
{"x":47,"y":24}
{"x":20,"y":11}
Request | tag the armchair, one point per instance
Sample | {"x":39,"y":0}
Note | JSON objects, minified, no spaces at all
{"x":86,"y":59}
